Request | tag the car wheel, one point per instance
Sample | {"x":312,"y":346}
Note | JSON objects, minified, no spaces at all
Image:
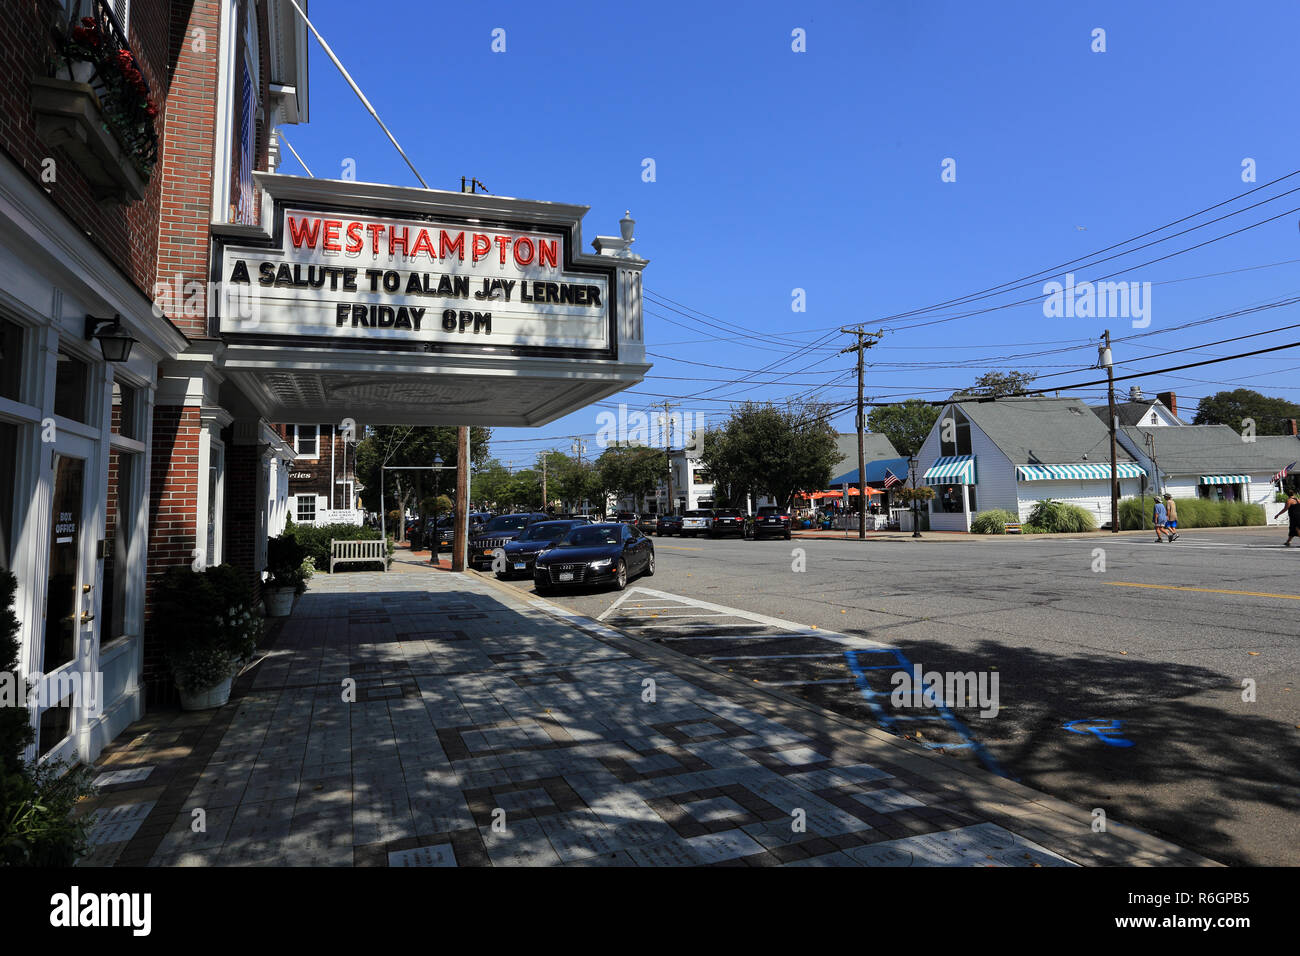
{"x":650,"y":566}
{"x":787,"y":536}
{"x":620,"y":575}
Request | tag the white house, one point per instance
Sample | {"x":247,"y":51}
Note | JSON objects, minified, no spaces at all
{"x":1212,"y":461}
{"x":1014,"y":452}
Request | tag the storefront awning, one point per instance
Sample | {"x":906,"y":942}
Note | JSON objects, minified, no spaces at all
{"x":1225,"y":479}
{"x":957,"y":469}
{"x":1126,"y":469}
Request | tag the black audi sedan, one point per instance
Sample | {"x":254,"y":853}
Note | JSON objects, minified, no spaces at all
{"x":669,"y":525}
{"x":727,"y":521}
{"x":495,"y":534}
{"x":611,"y":553}
{"x":522,"y":552}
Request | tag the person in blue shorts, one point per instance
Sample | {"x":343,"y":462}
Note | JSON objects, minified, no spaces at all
{"x":1171,"y":524}
{"x":1161,"y":518}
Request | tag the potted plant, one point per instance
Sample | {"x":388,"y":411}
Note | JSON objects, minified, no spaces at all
{"x":210,"y":631}
{"x":288,"y":569}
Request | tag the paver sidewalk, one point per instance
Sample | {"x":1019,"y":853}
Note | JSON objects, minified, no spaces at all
{"x":485,"y":727}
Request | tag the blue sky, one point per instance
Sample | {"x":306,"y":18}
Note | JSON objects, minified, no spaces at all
{"x":821,"y":170}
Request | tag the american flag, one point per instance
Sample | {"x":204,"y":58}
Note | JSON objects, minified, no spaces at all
{"x":891,"y":479}
{"x":1284,"y":472}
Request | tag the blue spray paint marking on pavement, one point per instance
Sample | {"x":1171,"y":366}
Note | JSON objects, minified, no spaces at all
{"x":888,"y":719}
{"x":1103,"y":730}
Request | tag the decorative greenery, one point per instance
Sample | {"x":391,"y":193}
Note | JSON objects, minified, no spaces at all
{"x":993,"y":521}
{"x":908,"y":495}
{"x":129,"y":111}
{"x":1192,"y":513}
{"x":315,"y":540}
{"x":285,"y":558}
{"x":210,"y":626}
{"x":36,"y":823}
{"x":1057,"y":517}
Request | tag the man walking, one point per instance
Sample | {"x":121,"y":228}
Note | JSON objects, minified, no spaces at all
{"x":1171,"y":512}
{"x":1161,"y":517}
{"x":1292,"y":507}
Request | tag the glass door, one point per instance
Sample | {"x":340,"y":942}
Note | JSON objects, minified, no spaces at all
{"x":69,"y":599}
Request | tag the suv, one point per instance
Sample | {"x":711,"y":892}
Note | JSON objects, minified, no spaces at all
{"x":627,"y":517}
{"x":727,"y":521}
{"x":695,"y":522}
{"x":668,"y":525}
{"x":647,"y":523}
{"x":495,"y":534}
{"x":771,"y":521}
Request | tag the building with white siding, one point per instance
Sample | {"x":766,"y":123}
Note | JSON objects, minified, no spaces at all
{"x":1014,"y":452}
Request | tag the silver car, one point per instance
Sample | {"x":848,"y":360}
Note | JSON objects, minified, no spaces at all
{"x":697,"y":523}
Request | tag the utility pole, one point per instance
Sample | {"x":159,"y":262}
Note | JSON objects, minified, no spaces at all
{"x":861,"y":347}
{"x":668,"y":453}
{"x":1106,"y":360}
{"x":544,"y":498}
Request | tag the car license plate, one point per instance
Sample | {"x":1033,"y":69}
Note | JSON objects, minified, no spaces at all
{"x":487,"y":551}
{"x":520,"y":566}
{"x":566,"y":575}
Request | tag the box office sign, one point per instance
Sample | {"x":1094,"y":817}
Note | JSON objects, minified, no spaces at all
{"x":331,"y":278}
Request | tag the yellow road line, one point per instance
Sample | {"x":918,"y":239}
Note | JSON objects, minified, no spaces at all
{"x":676,"y":547}
{"x":1174,"y":587}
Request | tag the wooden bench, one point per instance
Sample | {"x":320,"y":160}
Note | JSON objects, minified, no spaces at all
{"x":341,"y":552}
{"x":1011,"y":527}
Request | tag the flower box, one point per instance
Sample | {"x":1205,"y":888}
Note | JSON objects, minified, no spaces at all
{"x":69,"y":117}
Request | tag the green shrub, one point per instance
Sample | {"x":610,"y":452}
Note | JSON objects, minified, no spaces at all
{"x":208,"y":623}
{"x":285,"y":557}
{"x":315,"y":540}
{"x":992,"y":521}
{"x":1032,"y":529}
{"x":36,"y":823}
{"x":1057,"y":517}
{"x":1193,"y":513}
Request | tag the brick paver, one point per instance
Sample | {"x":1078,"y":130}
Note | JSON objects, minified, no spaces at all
{"x":433,"y":719}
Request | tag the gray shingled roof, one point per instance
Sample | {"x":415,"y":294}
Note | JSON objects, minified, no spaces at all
{"x":876,"y":446}
{"x":1215,"y":450}
{"x":1129,"y":413}
{"x":1044,"y":431}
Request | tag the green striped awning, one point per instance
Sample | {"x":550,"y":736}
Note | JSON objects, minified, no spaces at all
{"x":1225,"y":479}
{"x":1126,"y":469}
{"x":958,"y":469}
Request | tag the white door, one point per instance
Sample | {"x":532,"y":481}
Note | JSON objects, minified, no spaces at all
{"x":68,"y":634}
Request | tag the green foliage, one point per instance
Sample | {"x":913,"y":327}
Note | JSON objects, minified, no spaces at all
{"x":208,"y":623}
{"x":1229,"y":408}
{"x":997,"y":384}
{"x":1193,"y":513}
{"x":36,"y":824}
{"x":315,"y":540}
{"x":1032,"y":529}
{"x":905,"y":424}
{"x":992,"y":521}
{"x":763,"y":449}
{"x":636,"y":470}
{"x":284,"y":560}
{"x":409,"y":445}
{"x":1057,"y":517}
{"x":907,"y":495}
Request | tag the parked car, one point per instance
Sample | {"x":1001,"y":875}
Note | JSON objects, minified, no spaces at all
{"x":727,"y":521}
{"x":522,"y":552}
{"x":447,"y":528}
{"x":495,"y":533}
{"x":628,"y":517}
{"x":770,"y":522}
{"x":647,"y":524}
{"x":669,"y":525}
{"x":609,"y":553}
{"x":697,"y":522}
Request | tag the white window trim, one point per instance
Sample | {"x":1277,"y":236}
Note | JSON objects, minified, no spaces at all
{"x":297,"y":453}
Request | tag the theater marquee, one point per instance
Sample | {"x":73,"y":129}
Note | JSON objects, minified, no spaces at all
{"x":394,"y":305}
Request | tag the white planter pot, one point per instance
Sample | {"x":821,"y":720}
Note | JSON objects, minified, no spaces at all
{"x":207,"y":699}
{"x":279,"y":601}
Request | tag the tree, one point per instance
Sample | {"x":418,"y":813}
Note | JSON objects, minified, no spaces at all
{"x":415,"y":445}
{"x":1271,"y":415}
{"x":997,"y":385}
{"x":636,"y":471}
{"x":905,"y":424}
{"x":763,"y":449}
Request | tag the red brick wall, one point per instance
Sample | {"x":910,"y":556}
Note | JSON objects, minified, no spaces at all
{"x":189,"y":144}
{"x":173,"y":524}
{"x":128,"y":235}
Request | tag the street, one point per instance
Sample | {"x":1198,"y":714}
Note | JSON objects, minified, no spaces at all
{"x":1150,"y":653}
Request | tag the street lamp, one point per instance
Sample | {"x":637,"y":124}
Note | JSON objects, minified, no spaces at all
{"x":916,"y":518}
{"x":433,"y":540}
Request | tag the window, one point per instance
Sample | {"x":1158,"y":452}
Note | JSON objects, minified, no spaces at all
{"x":72,"y":388}
{"x":8,"y":478}
{"x":958,"y":432}
{"x":948,"y":499}
{"x":121,"y":511}
{"x":1155,"y":419}
{"x":306,"y":511}
{"x":305,"y":441}
{"x":11,"y":360}
{"x":126,"y":415}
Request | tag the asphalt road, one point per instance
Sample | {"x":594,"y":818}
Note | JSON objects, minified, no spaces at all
{"x":1140,"y":648}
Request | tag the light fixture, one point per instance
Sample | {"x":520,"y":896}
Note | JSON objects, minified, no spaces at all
{"x":437,"y":460}
{"x":114,"y":341}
